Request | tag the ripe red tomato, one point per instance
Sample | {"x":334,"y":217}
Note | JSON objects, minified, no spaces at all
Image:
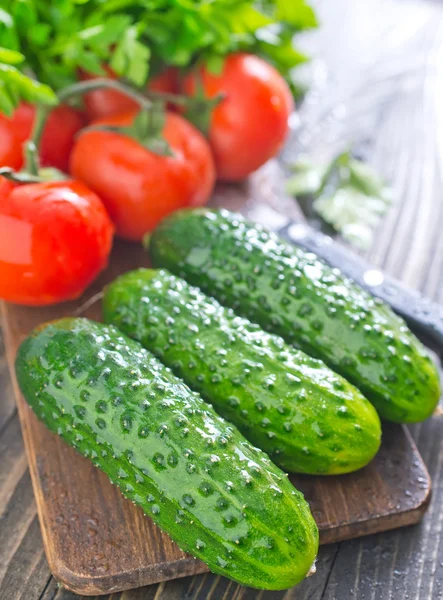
{"x":137,"y":186}
{"x":167,"y":81}
{"x":104,"y":103}
{"x":250,"y":125}
{"x":58,"y":137}
{"x":11,"y":154}
{"x":57,"y":140}
{"x":55,"y":238}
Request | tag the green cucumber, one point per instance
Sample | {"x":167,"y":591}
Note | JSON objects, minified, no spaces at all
{"x":216,"y":495}
{"x":311,"y":305}
{"x":307,"y":418}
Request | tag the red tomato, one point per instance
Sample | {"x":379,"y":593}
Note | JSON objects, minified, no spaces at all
{"x":250,"y":125}
{"x":167,"y":81}
{"x":11,"y":154}
{"x":62,"y":125}
{"x":55,"y":238}
{"x":104,"y":103}
{"x":6,"y":187}
{"x":137,"y":186}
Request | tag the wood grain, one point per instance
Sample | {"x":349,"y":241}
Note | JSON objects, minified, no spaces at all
{"x":378,"y":85}
{"x":97,"y":542}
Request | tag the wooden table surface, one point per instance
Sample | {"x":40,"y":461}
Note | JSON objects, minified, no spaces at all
{"x":378,"y":84}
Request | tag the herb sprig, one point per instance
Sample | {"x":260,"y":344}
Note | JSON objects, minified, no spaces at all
{"x":138,"y":37}
{"x":16,"y":86}
{"x":346,"y":193}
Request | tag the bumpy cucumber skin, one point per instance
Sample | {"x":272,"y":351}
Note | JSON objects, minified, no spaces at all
{"x":310,"y":304}
{"x":307,"y":418}
{"x":216,"y":495}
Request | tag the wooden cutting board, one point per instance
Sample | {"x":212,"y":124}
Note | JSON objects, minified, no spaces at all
{"x":97,"y":542}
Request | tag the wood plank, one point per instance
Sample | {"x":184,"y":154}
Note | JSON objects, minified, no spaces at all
{"x":24,"y":572}
{"x":380,"y":65}
{"x":386,"y":123}
{"x":97,"y":542}
{"x":213,"y":587}
{"x":7,"y":405}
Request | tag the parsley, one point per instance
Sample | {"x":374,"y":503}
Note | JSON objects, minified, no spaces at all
{"x":137,"y":38}
{"x":347,"y":193}
{"x":16,"y":86}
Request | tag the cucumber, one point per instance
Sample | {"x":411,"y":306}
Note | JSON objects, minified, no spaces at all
{"x":216,"y":495}
{"x":311,"y":305}
{"x":307,"y":418}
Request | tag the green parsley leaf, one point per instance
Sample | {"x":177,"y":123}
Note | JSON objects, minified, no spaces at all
{"x":307,"y":180}
{"x":297,"y":13}
{"x":363,"y":178}
{"x":11,"y":57}
{"x":346,"y":193}
{"x":15,"y":86}
{"x":138,"y":38}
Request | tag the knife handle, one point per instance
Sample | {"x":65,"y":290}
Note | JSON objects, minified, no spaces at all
{"x":422,"y":315}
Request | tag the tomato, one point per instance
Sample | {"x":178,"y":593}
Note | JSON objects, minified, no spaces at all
{"x":167,"y":81}
{"x":11,"y":154}
{"x":6,"y":186}
{"x":104,"y":103}
{"x":63,"y":123}
{"x":58,"y":138}
{"x":137,"y":186}
{"x":250,"y":125}
{"x":55,"y":238}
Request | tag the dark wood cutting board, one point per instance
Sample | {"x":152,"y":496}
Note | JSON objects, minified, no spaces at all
{"x":97,"y":542}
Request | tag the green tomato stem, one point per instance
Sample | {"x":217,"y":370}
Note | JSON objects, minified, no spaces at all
{"x":100,"y":83}
{"x":176,"y":99}
{"x":19,"y":177}
{"x":32,"y":161}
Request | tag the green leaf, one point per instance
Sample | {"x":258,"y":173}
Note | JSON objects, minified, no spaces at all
{"x":24,"y":13}
{"x":365,"y":179}
{"x":138,"y":66}
{"x":107,"y":32}
{"x":90,"y":63}
{"x":91,"y":32}
{"x":130,"y":58}
{"x":7,"y":104}
{"x":6,"y":18}
{"x":352,"y":213}
{"x":248,"y":18}
{"x":297,"y":13}
{"x":39,"y":34}
{"x":347,"y":194}
{"x":139,"y":37}
{"x":306,"y":182}
{"x":283,"y":54}
{"x":17,"y":86}
{"x":11,"y":57}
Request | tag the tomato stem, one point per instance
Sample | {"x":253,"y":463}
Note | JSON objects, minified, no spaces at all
{"x":176,"y":99}
{"x":32,"y":161}
{"x":45,"y":174}
{"x":83,"y":87}
{"x":19,"y":176}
